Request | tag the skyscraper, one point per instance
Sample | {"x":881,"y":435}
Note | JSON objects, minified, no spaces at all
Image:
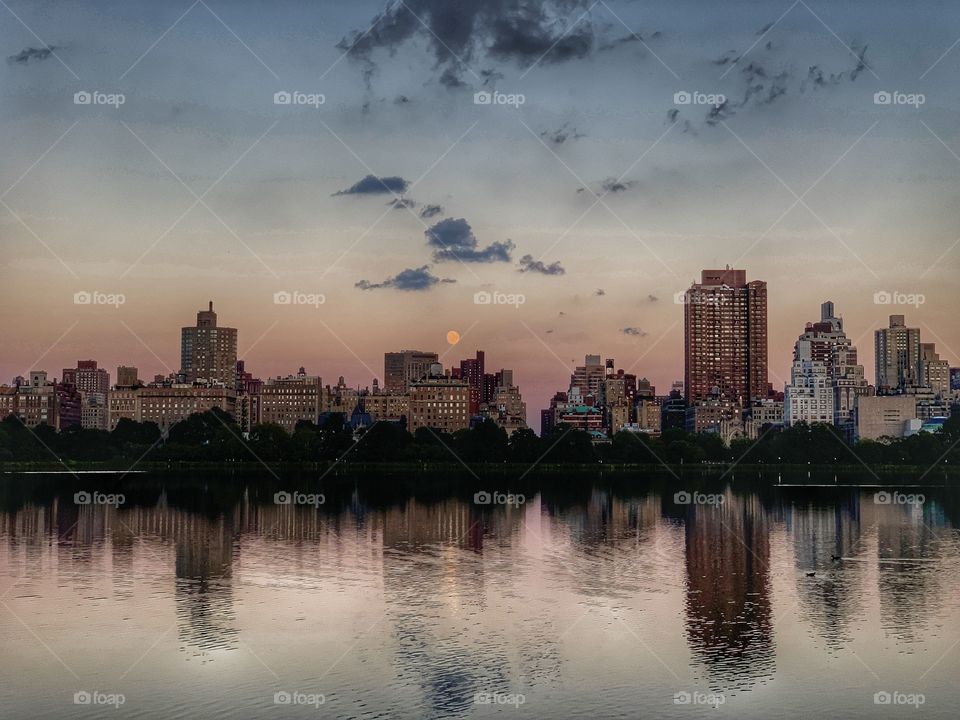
{"x":209,"y":352}
{"x":725,"y":338}
{"x":897,"y":355}
{"x":825,"y":379}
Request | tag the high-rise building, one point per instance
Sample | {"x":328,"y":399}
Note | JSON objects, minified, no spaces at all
{"x":586,"y":379}
{"x":402,"y":369}
{"x":897,"y":355}
{"x":472,"y":371}
{"x":87,"y":377}
{"x":825,"y":379}
{"x":725,"y":338}
{"x":209,"y":352}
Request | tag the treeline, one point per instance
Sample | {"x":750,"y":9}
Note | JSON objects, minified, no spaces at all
{"x":214,"y":437}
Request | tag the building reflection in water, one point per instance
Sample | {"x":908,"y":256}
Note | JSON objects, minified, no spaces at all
{"x":728,"y":603}
{"x":832,"y":599}
{"x":437,"y":563}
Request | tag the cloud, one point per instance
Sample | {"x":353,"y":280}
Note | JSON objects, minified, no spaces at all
{"x":402,"y":203}
{"x":600,"y":292}
{"x":453,"y":239}
{"x":429,"y":211}
{"x":634,"y":332}
{"x":31,"y":53}
{"x":652,"y":298}
{"x":458,"y":34}
{"x":562,"y":134}
{"x":528,"y":264}
{"x":373,"y":185}
{"x":613,"y":185}
{"x":411,"y":279}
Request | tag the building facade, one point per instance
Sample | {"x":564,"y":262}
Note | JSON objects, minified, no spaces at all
{"x":725,"y":338}
{"x":208,"y":352}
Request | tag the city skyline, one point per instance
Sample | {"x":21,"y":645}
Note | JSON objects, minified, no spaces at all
{"x":618,"y":211}
{"x":710,"y":294}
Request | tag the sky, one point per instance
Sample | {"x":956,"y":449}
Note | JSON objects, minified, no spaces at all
{"x":578,"y":163}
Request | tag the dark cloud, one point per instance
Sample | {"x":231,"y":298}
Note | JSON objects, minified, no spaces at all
{"x":562,"y":134}
{"x":429,"y":211}
{"x":762,"y":86}
{"x":402,"y":203}
{"x":372,"y":185}
{"x":457,"y":34}
{"x":613,"y":185}
{"x":416,"y":279}
{"x":528,"y":264}
{"x":31,"y":53}
{"x":634,"y":332}
{"x":453,"y":239}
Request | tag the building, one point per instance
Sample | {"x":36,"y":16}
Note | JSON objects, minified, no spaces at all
{"x":87,"y":377}
{"x":285,"y":401}
{"x":387,"y":406}
{"x":649,"y":419}
{"x":885,"y":416}
{"x":762,"y":415}
{"x":401,"y":369}
{"x":897,"y":356}
{"x":34,"y":400}
{"x":582,"y":417}
{"x":934,"y":372}
{"x":440,"y":403}
{"x":208,"y":352}
{"x":166,"y":406}
{"x":127,"y":377}
{"x":94,"y":411}
{"x":586,"y":379}
{"x":472,"y":372}
{"x":725,"y":338}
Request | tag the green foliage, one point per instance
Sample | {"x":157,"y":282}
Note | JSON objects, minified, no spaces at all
{"x":214,"y":436}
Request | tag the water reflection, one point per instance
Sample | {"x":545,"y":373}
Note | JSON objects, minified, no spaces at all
{"x":463,"y":598}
